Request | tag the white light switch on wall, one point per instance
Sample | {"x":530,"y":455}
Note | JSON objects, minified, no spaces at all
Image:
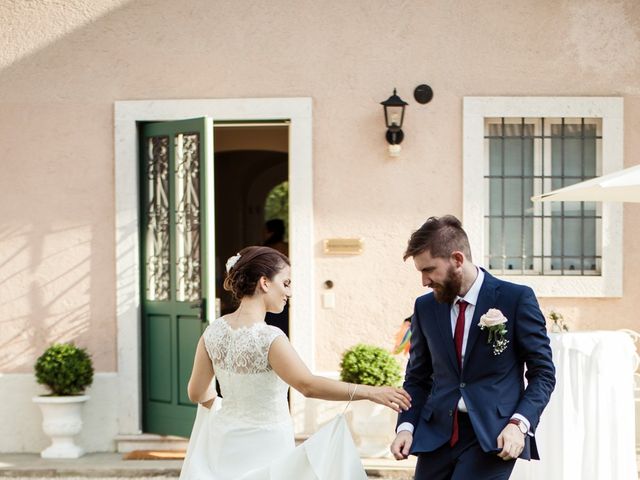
{"x":328,"y":300}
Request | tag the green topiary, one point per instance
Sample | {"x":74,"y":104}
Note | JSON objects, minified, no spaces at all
{"x":65,"y":369}
{"x":369,"y":365}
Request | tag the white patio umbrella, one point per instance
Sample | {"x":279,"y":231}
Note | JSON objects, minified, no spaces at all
{"x":621,"y":186}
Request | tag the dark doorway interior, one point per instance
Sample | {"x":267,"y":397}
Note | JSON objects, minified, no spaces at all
{"x":250,"y":161}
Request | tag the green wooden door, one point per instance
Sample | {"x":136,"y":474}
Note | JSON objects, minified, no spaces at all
{"x":174,"y":159}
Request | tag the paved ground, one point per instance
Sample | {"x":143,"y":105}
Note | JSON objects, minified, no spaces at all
{"x":111,"y":466}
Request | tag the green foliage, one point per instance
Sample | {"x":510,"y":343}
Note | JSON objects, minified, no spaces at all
{"x":557,"y":322}
{"x":369,"y":365}
{"x":65,"y":369}
{"x":277,"y":205}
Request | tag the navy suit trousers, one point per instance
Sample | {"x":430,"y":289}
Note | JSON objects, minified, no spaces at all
{"x":464,"y":461}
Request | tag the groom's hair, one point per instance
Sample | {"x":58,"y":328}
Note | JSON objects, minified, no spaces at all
{"x":441,"y":236}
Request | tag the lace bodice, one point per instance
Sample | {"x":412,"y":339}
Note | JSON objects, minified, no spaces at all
{"x":251,"y":390}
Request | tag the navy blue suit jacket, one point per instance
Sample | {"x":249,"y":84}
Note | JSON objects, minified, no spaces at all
{"x":492,"y":385}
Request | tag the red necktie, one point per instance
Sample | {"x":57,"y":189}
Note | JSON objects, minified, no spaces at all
{"x":458,"y":336}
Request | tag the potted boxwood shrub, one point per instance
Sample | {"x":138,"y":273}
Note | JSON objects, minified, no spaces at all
{"x":66,"y":370}
{"x":372,"y":424}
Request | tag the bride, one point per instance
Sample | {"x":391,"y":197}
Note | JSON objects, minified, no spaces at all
{"x":250,"y":436}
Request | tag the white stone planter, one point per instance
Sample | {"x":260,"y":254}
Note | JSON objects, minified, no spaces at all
{"x":373,"y":427}
{"x":61,"y":420}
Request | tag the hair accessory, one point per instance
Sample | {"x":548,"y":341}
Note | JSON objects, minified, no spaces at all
{"x":232,"y":261}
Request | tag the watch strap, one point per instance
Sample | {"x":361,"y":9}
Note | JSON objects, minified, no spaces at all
{"x":520,"y":424}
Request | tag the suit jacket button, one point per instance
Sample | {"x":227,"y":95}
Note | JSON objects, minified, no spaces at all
{"x":451,"y":413}
{"x":462,"y":385}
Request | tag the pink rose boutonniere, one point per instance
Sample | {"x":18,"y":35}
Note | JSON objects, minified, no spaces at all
{"x":496,"y":323}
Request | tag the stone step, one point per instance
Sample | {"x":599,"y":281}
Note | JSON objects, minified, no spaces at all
{"x":149,"y":441}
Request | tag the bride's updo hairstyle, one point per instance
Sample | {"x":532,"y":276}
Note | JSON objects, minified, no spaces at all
{"x":250,"y":265}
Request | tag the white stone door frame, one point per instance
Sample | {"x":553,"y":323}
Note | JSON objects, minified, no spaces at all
{"x":127,"y":113}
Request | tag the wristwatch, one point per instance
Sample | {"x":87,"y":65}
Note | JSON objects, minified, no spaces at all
{"x":520,"y":424}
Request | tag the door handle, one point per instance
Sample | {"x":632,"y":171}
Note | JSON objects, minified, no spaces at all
{"x":202,"y":307}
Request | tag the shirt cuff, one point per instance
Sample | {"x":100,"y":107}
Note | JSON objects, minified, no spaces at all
{"x":517,"y":416}
{"x":405,"y":427}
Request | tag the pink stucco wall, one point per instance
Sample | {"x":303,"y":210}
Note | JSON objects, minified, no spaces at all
{"x":63,"y":64}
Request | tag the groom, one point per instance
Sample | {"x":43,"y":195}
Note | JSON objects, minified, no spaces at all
{"x":471,"y":415}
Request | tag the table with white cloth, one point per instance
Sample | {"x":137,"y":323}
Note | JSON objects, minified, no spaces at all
{"x":587,"y":432}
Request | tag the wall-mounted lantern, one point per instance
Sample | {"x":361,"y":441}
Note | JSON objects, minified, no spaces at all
{"x":394,"y":116}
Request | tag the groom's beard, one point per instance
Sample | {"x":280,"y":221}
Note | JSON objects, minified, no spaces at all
{"x":447,"y":291}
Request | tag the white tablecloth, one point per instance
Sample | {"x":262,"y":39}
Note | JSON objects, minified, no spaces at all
{"x":587,"y":431}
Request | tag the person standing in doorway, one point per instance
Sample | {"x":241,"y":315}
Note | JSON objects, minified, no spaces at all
{"x":274,"y":238}
{"x":471,"y":339}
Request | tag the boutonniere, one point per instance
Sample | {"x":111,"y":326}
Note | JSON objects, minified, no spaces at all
{"x":496,"y":323}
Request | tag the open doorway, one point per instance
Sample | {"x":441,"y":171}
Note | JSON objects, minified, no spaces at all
{"x":251,"y":175}
{"x":296,"y":114}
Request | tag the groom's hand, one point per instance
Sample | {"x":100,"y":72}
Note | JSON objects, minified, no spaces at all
{"x":511,"y":442}
{"x":401,"y":445}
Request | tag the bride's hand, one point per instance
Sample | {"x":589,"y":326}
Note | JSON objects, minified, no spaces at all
{"x":395,"y":398}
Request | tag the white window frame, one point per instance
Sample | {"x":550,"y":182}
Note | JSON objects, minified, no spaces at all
{"x":610,"y":110}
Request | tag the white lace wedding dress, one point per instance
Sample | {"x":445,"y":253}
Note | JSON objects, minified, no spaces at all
{"x":248,"y":434}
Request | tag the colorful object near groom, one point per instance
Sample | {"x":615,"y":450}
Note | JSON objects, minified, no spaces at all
{"x":403,"y":338}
